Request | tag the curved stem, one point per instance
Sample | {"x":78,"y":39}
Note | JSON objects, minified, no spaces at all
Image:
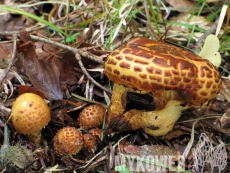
{"x":163,"y":119}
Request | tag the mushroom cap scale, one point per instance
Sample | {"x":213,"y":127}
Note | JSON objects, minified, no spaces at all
{"x":30,"y":113}
{"x":149,"y":65}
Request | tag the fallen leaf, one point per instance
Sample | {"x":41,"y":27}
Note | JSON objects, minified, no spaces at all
{"x":43,"y":75}
{"x":210,"y":50}
{"x":200,"y":21}
{"x":183,"y":4}
{"x":28,"y":89}
{"x":6,"y":54}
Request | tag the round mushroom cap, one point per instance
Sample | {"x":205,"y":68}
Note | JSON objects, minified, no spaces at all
{"x":91,"y":116}
{"x":30,"y":113}
{"x":90,"y":142}
{"x":68,"y":141}
{"x":149,"y":65}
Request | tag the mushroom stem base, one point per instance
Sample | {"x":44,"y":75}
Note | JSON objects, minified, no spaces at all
{"x":163,"y":119}
{"x":35,"y":137}
{"x":118,"y":104}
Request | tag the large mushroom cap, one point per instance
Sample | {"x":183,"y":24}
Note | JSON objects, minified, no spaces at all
{"x":30,"y":113}
{"x":149,"y":65}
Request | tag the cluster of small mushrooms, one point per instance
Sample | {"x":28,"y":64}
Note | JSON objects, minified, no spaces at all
{"x":176,"y":78}
{"x":30,"y":114}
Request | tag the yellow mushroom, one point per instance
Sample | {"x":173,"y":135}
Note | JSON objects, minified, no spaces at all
{"x":30,"y":114}
{"x":177,"y":79}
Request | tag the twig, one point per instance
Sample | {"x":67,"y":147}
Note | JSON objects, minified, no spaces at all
{"x":95,"y":164}
{"x":76,"y":52}
{"x":27,"y":166}
{"x":214,"y":127}
{"x":12,"y":59}
{"x":88,"y":100}
{"x":73,"y":50}
{"x":88,"y":75}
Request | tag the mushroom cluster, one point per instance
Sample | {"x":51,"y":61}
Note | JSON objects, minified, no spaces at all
{"x":69,"y":140}
{"x":175,"y":77}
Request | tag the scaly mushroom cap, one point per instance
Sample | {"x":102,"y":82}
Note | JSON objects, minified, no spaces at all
{"x":89,"y":142}
{"x":30,"y":113}
{"x":68,"y":141}
{"x":149,"y":65}
{"x":91,"y":116}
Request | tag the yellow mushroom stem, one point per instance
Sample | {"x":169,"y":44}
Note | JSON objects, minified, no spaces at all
{"x":118,"y":103}
{"x":35,"y":137}
{"x":164,"y":119}
{"x":167,"y":113}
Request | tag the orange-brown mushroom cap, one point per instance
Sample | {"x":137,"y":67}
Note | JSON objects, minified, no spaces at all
{"x":96,"y":132}
{"x":149,"y":65}
{"x":30,"y":113}
{"x":90,"y":142}
{"x":68,"y":141}
{"x":91,"y":116}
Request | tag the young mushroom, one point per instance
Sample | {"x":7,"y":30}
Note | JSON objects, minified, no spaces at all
{"x":68,"y":141}
{"x":30,"y":114}
{"x":91,"y":116}
{"x":90,"y":142}
{"x":176,"y":78}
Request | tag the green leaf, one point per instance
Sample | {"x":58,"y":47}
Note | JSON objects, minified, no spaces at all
{"x":73,"y":37}
{"x":134,"y":13}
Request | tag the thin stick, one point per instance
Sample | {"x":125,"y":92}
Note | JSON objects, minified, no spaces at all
{"x":71,"y":49}
{"x":12,"y":59}
{"x":53,"y":43}
{"x":77,"y":53}
{"x":88,"y":75}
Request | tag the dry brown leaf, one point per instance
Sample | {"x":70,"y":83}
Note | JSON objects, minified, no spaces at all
{"x":28,"y":89}
{"x":182,"y":4}
{"x":200,"y":21}
{"x":43,"y":75}
{"x":5,"y":53}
